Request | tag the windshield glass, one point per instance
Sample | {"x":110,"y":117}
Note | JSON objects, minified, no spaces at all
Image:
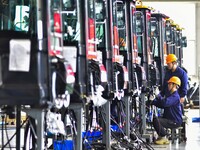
{"x":121,"y":26}
{"x":154,"y":37}
{"x":100,"y":23}
{"x":18,"y":15}
{"x":71,"y":28}
{"x":139,"y":29}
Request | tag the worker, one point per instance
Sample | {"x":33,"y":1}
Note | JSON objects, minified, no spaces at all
{"x":172,"y":115}
{"x":175,"y":70}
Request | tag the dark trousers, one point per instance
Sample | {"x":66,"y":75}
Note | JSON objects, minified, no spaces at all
{"x":160,"y":124}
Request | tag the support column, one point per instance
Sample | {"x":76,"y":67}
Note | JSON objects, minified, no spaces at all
{"x":197,"y":17}
{"x":127,"y":111}
{"x":107,"y":127}
{"x":78,"y":109}
{"x":38,"y":115}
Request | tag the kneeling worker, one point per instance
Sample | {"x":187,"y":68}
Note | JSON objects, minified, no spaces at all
{"x":172,"y":116}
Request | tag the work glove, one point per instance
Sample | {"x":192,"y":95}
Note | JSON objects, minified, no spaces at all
{"x":156,"y":91}
{"x":98,"y":100}
{"x":152,"y":97}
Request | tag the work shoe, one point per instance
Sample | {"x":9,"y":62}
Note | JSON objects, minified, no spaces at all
{"x":162,"y":141}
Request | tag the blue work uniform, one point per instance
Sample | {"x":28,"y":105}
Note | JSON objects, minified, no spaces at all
{"x":182,"y":75}
{"x":171,"y":105}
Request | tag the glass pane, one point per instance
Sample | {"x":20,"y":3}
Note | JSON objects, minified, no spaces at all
{"x":139,"y":23}
{"x":154,"y":37}
{"x":120,"y":16}
{"x":71,"y":28}
{"x":139,"y":43}
{"x":121,"y":26}
{"x":17,"y":15}
{"x":100,"y":23}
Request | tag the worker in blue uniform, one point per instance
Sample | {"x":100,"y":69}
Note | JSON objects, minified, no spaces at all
{"x":175,"y":70}
{"x":172,"y":116}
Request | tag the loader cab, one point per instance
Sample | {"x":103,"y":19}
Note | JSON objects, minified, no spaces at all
{"x":79,"y":43}
{"x":103,"y":41}
{"x":124,"y":43}
{"x":158,"y":41}
{"x":174,"y":38}
{"x":65,"y":31}
{"x":168,"y":34}
{"x":40,"y":36}
{"x":134,"y":28}
{"x":171,"y":36}
{"x":139,"y":66}
{"x":181,"y":43}
{"x":23,"y":54}
{"x":121,"y":76}
{"x":178,"y":44}
{"x":144,"y":46}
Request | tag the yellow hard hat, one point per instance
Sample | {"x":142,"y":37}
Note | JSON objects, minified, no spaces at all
{"x":171,"y":58}
{"x":175,"y":80}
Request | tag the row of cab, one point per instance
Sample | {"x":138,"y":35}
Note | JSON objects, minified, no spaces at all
{"x":63,"y":52}
{"x":76,"y":47}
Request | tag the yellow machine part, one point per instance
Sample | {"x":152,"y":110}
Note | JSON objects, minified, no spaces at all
{"x":10,"y":121}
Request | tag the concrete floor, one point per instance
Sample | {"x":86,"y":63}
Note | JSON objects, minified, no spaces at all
{"x":192,"y":134}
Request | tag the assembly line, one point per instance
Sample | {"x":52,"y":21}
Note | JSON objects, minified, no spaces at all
{"x":92,"y":74}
